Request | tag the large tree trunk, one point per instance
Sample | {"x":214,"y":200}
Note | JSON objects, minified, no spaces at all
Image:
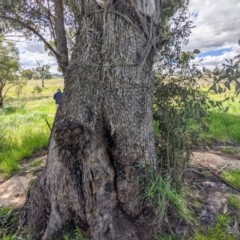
{"x":103,"y":129}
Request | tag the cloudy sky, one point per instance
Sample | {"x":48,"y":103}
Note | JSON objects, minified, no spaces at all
{"x":216,"y":35}
{"x":217,"y":30}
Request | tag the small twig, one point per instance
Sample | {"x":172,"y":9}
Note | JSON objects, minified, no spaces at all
{"x":202,"y":188}
{"x":225,"y":182}
{"x":216,"y":175}
{"x":21,"y":184}
{"x":208,"y":148}
{"x":222,"y":169}
{"x":48,"y":124}
{"x":193,"y":170}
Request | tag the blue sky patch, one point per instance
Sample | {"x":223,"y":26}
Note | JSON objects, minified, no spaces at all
{"x":22,"y":52}
{"x":195,"y":14}
{"x":214,"y":53}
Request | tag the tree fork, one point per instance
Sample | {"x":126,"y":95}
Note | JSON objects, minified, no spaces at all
{"x":102,"y":132}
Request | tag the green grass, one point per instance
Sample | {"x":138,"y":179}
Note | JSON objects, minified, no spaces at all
{"x":234,"y":202}
{"x":223,"y":126}
{"x":233,"y":177}
{"x":160,"y":193}
{"x":36,"y":163}
{"x":23,"y":129}
{"x":219,"y":231}
{"x":77,"y":235}
{"x":8,"y":222}
{"x":231,"y":150}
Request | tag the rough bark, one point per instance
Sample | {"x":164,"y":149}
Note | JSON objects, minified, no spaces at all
{"x":103,"y":129}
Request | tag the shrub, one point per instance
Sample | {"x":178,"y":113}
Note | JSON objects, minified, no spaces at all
{"x":37,"y":90}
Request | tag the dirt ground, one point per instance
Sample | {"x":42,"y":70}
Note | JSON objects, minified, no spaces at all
{"x":215,"y":159}
{"x":13,"y":190}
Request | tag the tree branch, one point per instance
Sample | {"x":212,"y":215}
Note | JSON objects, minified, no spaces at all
{"x":61,"y":41}
{"x":4,"y":95}
{"x":46,"y":11}
{"x":58,"y":56}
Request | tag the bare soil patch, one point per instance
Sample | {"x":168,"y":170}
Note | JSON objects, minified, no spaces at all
{"x":13,"y":190}
{"x":215,"y":159}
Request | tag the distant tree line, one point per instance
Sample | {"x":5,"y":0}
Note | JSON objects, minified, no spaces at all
{"x":36,"y":73}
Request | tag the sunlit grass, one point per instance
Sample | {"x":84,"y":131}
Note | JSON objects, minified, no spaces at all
{"x":232,"y":177}
{"x":219,"y":231}
{"x":23,"y":124}
{"x":234,"y":202}
{"x":22,"y":134}
{"x":24,"y":129}
{"x":223,"y":126}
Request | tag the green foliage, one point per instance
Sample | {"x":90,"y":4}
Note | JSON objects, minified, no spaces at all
{"x":43,"y":71}
{"x":230,"y":150}
{"x":234,"y":202}
{"x":24,"y":131}
{"x":77,"y":235}
{"x":9,"y":67}
{"x":224,"y":78}
{"x":179,"y":111}
{"x":8,"y":222}
{"x":233,"y":177}
{"x":27,"y":73}
{"x":36,"y":76}
{"x":19,"y":87}
{"x":161,"y":193}
{"x":223,"y":127}
{"x":37,"y":90}
{"x":219,"y":231}
{"x":173,"y":20}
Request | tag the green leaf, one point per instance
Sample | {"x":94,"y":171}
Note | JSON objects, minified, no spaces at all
{"x":220,"y":89}
{"x":213,"y":88}
{"x":237,"y":87}
{"x":227,"y":84}
{"x":226,"y":109}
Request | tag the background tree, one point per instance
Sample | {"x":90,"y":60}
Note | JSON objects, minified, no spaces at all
{"x":9,"y":68}
{"x":43,"y":72}
{"x":41,"y":19}
{"x":27,"y":73}
{"x":19,"y":87}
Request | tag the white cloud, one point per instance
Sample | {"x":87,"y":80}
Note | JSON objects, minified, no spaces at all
{"x":32,"y":51}
{"x":206,"y":36}
{"x":217,"y":27}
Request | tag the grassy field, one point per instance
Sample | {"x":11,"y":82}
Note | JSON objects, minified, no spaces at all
{"x":23,"y":128}
{"x":223,"y":126}
{"x":23,"y":131}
